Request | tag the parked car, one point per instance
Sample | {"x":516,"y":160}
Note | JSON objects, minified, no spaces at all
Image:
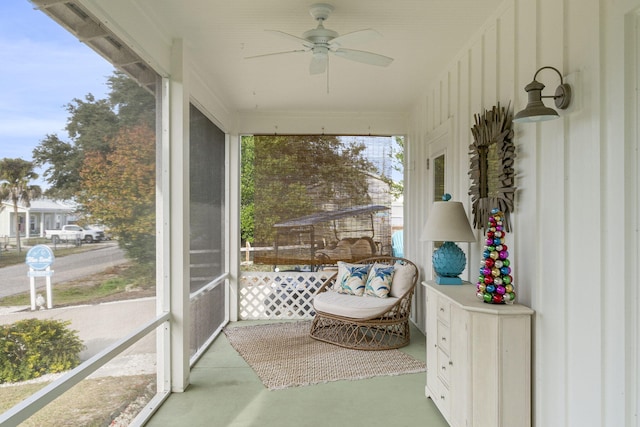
{"x":73,"y":233}
{"x":99,"y":227}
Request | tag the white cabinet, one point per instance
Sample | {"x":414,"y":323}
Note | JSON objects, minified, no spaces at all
{"x":478,"y":358}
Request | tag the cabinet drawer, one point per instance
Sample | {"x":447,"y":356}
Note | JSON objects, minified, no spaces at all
{"x":444,"y":310}
{"x":444,"y":367}
{"x":443,"y":337}
{"x":443,"y":400}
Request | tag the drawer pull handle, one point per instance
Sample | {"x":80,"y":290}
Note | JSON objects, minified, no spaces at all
{"x":444,"y":339}
{"x":450,"y":363}
{"x":444,"y":368}
{"x":441,"y":397}
{"x":442,"y":309}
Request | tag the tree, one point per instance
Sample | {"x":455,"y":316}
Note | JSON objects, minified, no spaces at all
{"x":108,"y":163}
{"x":397,"y":187}
{"x":92,"y":123}
{"x":247,"y":190}
{"x":495,"y":283}
{"x":15,"y":175}
{"x":65,"y":160}
{"x":119,"y":190}
{"x":132,"y":103}
{"x":294,"y":175}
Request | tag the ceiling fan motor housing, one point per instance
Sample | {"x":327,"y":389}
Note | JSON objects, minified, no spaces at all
{"x":320,"y":11}
{"x":320,"y":35}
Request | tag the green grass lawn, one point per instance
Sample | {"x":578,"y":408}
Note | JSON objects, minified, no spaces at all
{"x":73,"y":293}
{"x":13,"y":257}
{"x":119,"y":282}
{"x":79,"y":406}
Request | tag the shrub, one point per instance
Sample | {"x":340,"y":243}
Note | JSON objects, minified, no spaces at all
{"x":30,"y":348}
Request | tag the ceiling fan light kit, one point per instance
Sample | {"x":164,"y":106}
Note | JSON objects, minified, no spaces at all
{"x":322,"y":41}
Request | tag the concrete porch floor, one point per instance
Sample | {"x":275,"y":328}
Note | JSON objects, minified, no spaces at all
{"x":225,"y":391}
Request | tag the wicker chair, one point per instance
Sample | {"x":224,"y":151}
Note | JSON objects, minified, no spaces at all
{"x":384,"y":330}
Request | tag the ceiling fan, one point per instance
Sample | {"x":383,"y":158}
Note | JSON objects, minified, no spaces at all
{"x":322,"y":41}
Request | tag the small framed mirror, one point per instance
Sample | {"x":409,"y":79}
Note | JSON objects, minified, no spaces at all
{"x":491,"y":169}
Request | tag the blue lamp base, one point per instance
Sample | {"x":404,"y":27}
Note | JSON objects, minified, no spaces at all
{"x":448,"y":262}
{"x":442,"y":280}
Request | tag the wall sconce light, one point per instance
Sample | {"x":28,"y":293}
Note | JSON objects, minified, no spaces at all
{"x":536,"y":111}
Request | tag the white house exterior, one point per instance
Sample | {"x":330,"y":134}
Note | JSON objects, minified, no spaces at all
{"x":42,"y":214}
{"x":574,"y":244}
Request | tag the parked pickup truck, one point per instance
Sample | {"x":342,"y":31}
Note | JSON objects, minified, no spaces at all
{"x":75,"y":233}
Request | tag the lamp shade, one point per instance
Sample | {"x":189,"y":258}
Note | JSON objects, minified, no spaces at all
{"x":448,"y":222}
{"x":535,"y":111}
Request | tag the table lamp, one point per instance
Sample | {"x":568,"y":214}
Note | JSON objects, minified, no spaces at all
{"x":448,"y":223}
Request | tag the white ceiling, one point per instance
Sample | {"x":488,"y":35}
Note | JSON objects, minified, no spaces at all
{"x":423,"y":37}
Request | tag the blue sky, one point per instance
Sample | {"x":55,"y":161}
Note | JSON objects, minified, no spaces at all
{"x":42,"y":68}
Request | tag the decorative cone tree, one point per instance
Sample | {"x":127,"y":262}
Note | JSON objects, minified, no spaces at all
{"x":495,"y":284}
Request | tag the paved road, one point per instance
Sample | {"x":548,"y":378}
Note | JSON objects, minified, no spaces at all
{"x":14,"y":280}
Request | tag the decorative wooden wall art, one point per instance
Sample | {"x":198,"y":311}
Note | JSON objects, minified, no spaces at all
{"x":491,"y":166}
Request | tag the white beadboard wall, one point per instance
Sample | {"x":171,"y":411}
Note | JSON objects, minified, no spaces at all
{"x":567,"y":256}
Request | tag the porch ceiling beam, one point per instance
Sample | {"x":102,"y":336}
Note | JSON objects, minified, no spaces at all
{"x":124,"y":57}
{"x":47,"y":3}
{"x":146,"y":77}
{"x":91,"y":30}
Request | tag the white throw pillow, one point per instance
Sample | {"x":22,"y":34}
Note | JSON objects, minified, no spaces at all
{"x":402,"y":279}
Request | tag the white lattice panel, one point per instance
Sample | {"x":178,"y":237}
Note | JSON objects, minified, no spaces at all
{"x":282,"y":295}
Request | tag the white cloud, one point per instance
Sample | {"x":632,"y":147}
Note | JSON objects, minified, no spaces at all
{"x":30,"y":127}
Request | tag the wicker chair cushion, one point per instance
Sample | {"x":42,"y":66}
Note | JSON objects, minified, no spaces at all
{"x":351,"y":278}
{"x":402,"y":279}
{"x":352,"y":306}
{"x":379,"y":280}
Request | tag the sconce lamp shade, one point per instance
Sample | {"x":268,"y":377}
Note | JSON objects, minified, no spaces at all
{"x":448,"y":223}
{"x":536,"y":111}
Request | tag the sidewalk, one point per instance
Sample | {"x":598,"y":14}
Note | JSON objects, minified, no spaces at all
{"x":9,"y":310}
{"x":98,"y":325}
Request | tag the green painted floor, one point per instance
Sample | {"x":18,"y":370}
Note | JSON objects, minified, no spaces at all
{"x":225,"y":391}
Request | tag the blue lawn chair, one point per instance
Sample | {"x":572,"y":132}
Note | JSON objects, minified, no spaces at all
{"x":397,"y":244}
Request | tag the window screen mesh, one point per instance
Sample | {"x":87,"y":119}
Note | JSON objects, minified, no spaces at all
{"x":316,"y":199}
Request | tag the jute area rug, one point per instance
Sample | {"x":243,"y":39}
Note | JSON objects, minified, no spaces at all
{"x":284,"y":355}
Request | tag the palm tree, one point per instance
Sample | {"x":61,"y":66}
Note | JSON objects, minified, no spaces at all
{"x":15,"y":175}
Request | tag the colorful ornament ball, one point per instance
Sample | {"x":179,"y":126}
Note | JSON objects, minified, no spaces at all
{"x":495,"y":284}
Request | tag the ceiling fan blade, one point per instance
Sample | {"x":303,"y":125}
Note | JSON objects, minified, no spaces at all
{"x":360,"y":36}
{"x":276,"y":53}
{"x":318,"y":63}
{"x":305,"y":42}
{"x":364,"y":57}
